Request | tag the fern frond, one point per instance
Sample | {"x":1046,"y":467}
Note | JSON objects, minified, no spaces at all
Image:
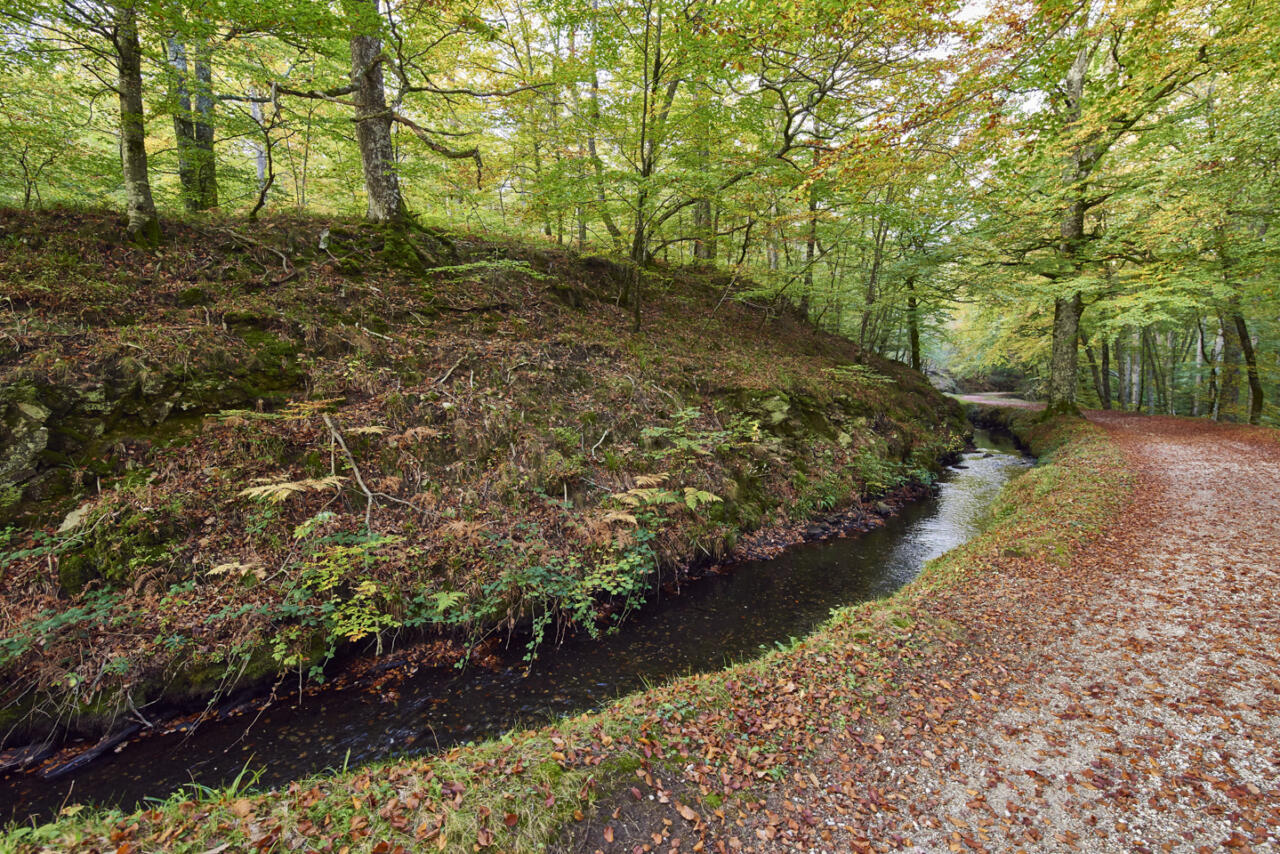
{"x":368,"y":430}
{"x":281,"y":491}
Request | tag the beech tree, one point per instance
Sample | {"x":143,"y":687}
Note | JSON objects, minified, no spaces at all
{"x":106,"y":35}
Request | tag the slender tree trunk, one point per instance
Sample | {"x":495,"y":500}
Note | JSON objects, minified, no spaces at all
{"x":598,"y":165}
{"x":1106,"y":374}
{"x":811,"y":251}
{"x":1122,"y":377}
{"x":1143,"y":391}
{"x":1229,"y":384}
{"x":144,"y":223}
{"x":1251,"y":361}
{"x":1159,"y":390}
{"x":1093,"y":368}
{"x":1209,"y":359}
{"x":373,"y":126}
{"x":880,"y":232}
{"x":773,"y":249}
{"x":913,"y":323}
{"x":193,"y":126}
{"x":639,"y":253}
{"x":704,"y":244}
{"x":1138,"y":386}
{"x":593,"y":155}
{"x":259,"y":148}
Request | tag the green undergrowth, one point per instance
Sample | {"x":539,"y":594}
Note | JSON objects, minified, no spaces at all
{"x":529,"y":789}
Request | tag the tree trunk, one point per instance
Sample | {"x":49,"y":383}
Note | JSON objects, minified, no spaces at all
{"x":913,"y":323}
{"x":598,"y":164}
{"x":880,"y":231}
{"x":1062,"y":363}
{"x":373,"y":125}
{"x":1122,"y":376}
{"x":1067,"y":310}
{"x":1106,"y":374}
{"x":704,"y":244}
{"x":1229,"y":380}
{"x":144,"y":223}
{"x":1141,"y":354}
{"x":193,"y":127}
{"x":639,"y":253}
{"x":259,"y":148}
{"x":1210,"y":359}
{"x":811,"y":250}
{"x":1251,"y":360}
{"x":206,"y":162}
{"x":1195,"y":383}
{"x":1160,"y":403}
{"x":1093,"y":368}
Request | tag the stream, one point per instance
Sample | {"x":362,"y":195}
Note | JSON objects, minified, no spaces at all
{"x":717,"y":620}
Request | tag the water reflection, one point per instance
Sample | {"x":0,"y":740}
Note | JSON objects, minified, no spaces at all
{"x":718,"y":620}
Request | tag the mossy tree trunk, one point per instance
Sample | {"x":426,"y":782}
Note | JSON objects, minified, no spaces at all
{"x":373,"y":123}
{"x":144,"y":223}
{"x":1064,"y":359}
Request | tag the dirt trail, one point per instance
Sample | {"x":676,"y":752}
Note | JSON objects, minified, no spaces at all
{"x":1131,"y":703}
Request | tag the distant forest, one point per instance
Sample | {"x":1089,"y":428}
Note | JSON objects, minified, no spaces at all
{"x":1077,"y":194}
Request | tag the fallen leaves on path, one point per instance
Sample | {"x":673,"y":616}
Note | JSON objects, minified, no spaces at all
{"x":1125,"y":701}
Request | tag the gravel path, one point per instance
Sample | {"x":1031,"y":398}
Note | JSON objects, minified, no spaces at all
{"x":1129,"y":703}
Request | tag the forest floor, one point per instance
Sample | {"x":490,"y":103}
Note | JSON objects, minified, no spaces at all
{"x":1128,"y":703}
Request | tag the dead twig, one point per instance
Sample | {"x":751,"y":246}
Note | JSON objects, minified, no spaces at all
{"x":369,"y":495}
{"x":512,"y":370}
{"x":604,"y":436}
{"x":355,"y":471}
{"x":449,"y":372}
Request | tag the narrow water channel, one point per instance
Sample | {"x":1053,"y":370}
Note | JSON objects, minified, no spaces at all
{"x":718,"y":620}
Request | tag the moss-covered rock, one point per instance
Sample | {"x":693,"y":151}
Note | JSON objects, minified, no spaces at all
{"x":47,"y":428}
{"x":24,"y":436}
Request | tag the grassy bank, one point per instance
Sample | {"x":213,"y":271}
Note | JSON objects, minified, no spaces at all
{"x":697,"y":752}
{"x":242,"y":454}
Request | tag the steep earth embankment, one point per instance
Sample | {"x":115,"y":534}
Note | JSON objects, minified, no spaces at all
{"x":250,"y":450}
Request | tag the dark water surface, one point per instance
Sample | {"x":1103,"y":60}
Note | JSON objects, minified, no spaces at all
{"x":718,"y":620}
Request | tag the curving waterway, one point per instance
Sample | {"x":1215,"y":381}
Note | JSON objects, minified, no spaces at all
{"x":718,"y":620}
